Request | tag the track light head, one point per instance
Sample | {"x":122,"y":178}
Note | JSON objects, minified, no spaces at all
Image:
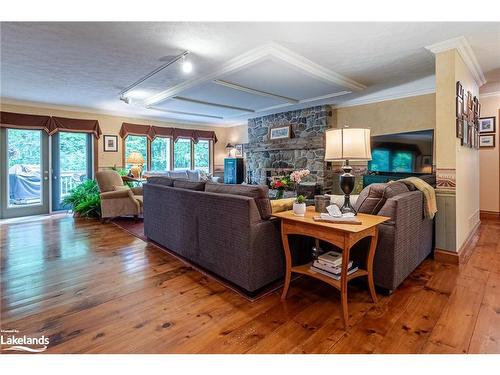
{"x":125,"y":99}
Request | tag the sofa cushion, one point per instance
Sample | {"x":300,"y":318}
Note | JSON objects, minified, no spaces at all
{"x":193,"y":176}
{"x":178,"y":174}
{"x":372,"y":198}
{"x":161,"y":180}
{"x":260,"y":193}
{"x":191,"y":185}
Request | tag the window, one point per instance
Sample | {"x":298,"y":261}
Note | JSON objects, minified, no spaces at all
{"x":380,"y":160}
{"x":136,"y":143}
{"x":202,"y":156}
{"x":182,"y":154}
{"x":384,"y":160}
{"x":160,"y":154}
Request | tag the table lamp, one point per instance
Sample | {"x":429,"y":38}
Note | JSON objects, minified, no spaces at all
{"x":137,"y":161}
{"x":347,"y":144}
{"x":231,"y":150}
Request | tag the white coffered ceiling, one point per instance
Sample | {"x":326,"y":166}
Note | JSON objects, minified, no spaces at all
{"x":241,"y":70}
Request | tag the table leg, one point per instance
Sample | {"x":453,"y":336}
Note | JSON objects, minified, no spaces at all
{"x":288,"y":263}
{"x":343,"y":285}
{"x":369,"y":264}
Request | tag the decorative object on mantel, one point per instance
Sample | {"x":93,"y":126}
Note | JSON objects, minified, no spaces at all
{"x":486,"y":140}
{"x":239,"y":150}
{"x":487,"y":125}
{"x":280,"y":132}
{"x":347,"y":144}
{"x":110,"y":143}
{"x":231,"y":150}
{"x":280,"y":185}
{"x":137,"y":161}
{"x":299,"y":206}
{"x":467,"y":111}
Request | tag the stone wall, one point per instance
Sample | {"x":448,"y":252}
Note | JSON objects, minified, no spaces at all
{"x":304,"y":149}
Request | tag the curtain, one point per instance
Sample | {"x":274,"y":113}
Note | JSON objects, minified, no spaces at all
{"x":75,"y":125}
{"x":23,"y":121}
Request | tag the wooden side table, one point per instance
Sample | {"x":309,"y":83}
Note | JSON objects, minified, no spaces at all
{"x":344,"y":236}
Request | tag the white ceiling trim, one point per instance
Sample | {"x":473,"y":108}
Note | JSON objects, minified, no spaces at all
{"x":236,"y":86}
{"x":272,"y":50}
{"x":211,"y":104}
{"x":489,"y":94}
{"x":184,"y":113}
{"x":383,"y":98}
{"x":465,"y":50}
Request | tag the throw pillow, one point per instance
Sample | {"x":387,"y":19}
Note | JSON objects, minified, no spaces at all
{"x":165,"y":181}
{"x":193,"y":175}
{"x":373,"y":197}
{"x":178,"y":174}
{"x":280,"y":205}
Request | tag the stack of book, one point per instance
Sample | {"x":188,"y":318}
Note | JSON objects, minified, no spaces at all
{"x":330,"y":264}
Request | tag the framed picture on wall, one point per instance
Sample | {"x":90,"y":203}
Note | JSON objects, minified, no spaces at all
{"x":465,"y":133}
{"x":487,"y":125}
{"x":110,"y":143}
{"x":279,"y":132}
{"x":487,"y":140}
{"x":460,"y":129}
{"x":239,"y":150}
{"x":460,"y":107}
{"x":460,"y":90}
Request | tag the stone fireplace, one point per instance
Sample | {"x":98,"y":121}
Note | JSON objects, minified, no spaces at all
{"x":304,"y":149}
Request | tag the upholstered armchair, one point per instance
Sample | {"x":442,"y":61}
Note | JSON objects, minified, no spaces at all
{"x":118,"y":199}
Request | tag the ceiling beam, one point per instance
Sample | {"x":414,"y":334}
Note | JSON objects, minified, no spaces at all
{"x":184,"y":113}
{"x":213,"y":104}
{"x":249,"y":90}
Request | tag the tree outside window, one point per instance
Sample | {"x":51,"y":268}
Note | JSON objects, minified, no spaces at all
{"x":160,"y":154}
{"x":182,"y":154}
{"x":202,"y":156}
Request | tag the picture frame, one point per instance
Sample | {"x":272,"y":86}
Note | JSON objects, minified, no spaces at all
{"x":426,"y":159}
{"x":465,"y":133}
{"x":239,"y":150}
{"x":460,"y":107}
{"x":487,"y":125}
{"x":460,"y":90}
{"x":486,"y":140}
{"x":110,"y":143}
{"x":459,"y":127}
{"x":280,"y":132}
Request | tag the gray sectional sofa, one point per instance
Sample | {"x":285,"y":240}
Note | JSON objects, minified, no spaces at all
{"x":225,"y":229}
{"x":228,"y":230}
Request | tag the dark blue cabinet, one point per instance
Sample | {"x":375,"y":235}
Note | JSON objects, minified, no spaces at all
{"x":233,"y":170}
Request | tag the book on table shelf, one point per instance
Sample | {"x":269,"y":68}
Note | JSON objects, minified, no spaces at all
{"x":333,"y":258}
{"x":328,"y":267}
{"x":333,"y":275}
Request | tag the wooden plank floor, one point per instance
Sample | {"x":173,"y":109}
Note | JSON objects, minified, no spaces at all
{"x":94,"y":288}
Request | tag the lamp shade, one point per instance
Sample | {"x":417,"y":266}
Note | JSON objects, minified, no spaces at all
{"x":135,"y":158}
{"x":347,"y":144}
{"x":229,"y":145}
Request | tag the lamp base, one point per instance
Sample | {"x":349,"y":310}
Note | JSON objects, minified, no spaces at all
{"x":347,"y":186}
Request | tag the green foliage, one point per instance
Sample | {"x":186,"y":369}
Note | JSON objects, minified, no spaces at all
{"x":73,"y":152}
{"x":136,"y":143}
{"x":84,"y":199}
{"x":301,"y":199}
{"x":182,"y":154}
{"x":23,"y":147}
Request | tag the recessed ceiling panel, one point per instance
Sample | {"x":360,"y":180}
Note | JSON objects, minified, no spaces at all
{"x":280,"y":78}
{"x":212,"y":92}
{"x":202,"y":109}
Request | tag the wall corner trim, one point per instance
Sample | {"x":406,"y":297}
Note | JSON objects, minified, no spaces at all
{"x":465,"y":50}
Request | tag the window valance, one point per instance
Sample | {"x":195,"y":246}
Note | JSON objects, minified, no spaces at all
{"x":24,"y":121}
{"x":153,"y":131}
{"x":75,"y":125}
{"x":135,"y":129}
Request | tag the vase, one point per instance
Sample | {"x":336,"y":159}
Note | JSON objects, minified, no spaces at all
{"x":299,"y":209}
{"x":279,"y":193}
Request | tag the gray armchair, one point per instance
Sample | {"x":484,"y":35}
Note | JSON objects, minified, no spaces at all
{"x":117,"y":199}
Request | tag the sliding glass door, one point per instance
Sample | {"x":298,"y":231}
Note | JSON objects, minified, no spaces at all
{"x":24,"y":172}
{"x":71,"y":164}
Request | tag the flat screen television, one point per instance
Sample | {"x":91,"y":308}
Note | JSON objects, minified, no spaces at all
{"x":410,"y":152}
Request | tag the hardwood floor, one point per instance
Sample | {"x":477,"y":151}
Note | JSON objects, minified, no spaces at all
{"x":94,"y":288}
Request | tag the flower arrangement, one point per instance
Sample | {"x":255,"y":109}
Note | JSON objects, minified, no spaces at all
{"x":297,"y":176}
{"x":280,"y":185}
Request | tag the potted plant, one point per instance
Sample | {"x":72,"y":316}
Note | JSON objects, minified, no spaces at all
{"x":299,"y":206}
{"x":84,"y":200}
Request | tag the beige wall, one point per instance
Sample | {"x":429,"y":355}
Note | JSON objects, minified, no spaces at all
{"x":111,"y":125}
{"x":489,"y":160}
{"x":459,"y":207}
{"x":391,"y":116}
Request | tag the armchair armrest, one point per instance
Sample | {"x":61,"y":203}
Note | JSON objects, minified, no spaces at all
{"x":125,"y":193}
{"x":137,"y":190}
